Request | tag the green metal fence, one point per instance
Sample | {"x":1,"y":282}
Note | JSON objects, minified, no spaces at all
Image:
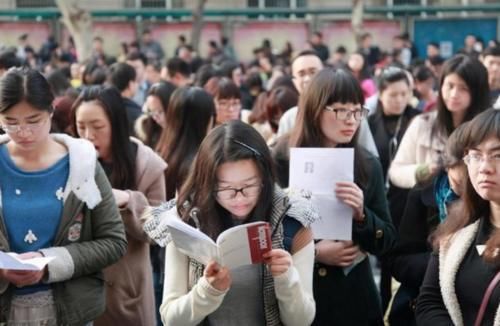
{"x":411,"y":10}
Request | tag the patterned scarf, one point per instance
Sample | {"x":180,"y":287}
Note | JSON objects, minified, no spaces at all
{"x":283,"y":206}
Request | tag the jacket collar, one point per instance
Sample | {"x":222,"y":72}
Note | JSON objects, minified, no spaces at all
{"x":451,"y":254}
{"x":82,"y":166}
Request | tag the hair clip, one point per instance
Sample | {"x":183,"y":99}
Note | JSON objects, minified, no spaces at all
{"x":251,"y":149}
{"x":194,"y":215}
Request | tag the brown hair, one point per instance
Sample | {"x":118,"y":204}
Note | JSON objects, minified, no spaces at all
{"x":327,"y":87}
{"x":229,"y":142}
{"x":473,"y":206}
{"x":222,"y":88}
{"x":258,"y":113}
{"x":280,"y":100}
{"x":455,"y":146}
{"x":186,"y":124}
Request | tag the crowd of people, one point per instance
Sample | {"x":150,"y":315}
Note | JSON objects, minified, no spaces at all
{"x":111,"y":147}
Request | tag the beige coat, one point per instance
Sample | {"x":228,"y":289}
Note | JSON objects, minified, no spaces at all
{"x":130,"y":296}
{"x":416,"y":148}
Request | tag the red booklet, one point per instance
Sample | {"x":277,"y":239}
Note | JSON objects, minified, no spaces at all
{"x":240,"y":245}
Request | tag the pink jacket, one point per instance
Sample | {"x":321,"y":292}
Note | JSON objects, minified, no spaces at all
{"x":129,"y":291}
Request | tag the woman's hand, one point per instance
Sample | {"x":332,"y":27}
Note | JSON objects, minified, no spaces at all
{"x":336,"y":253}
{"x":217,"y":276}
{"x":278,"y":261}
{"x":121,"y":197}
{"x":24,"y":278}
{"x":352,"y":195}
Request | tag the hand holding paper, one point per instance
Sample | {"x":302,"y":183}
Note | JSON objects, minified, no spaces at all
{"x":317,"y":170}
{"x":24,"y":269}
{"x":350,"y":194}
{"x":14,"y":261}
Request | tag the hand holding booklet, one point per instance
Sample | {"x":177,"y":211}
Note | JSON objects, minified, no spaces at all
{"x":240,"y":245}
{"x":10,"y":261}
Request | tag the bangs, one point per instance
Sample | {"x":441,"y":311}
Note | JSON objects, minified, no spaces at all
{"x":227,"y":89}
{"x":347,"y":89}
{"x":483,"y":126}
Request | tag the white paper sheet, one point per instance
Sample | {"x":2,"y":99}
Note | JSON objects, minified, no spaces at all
{"x":316,"y":170}
{"x":10,"y":261}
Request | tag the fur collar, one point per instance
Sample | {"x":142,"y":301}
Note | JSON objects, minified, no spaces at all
{"x":82,"y":166}
{"x":451,"y":254}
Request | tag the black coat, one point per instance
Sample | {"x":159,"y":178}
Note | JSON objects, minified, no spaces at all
{"x":408,"y":261}
{"x":352,"y":299}
{"x":134,"y":111}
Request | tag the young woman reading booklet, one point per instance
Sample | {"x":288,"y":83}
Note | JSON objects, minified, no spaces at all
{"x":231,"y":182}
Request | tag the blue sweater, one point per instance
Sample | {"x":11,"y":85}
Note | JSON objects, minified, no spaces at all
{"x":32,"y":203}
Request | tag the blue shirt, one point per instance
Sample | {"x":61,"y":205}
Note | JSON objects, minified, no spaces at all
{"x":32,"y":205}
{"x":32,"y":202}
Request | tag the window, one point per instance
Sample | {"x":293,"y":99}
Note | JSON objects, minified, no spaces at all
{"x":270,"y":4}
{"x":262,"y":4}
{"x":406,"y":2}
{"x":35,"y":3}
{"x":169,"y":4}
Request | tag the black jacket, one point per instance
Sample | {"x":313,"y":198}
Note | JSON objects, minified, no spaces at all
{"x":352,"y":299}
{"x":409,"y":259}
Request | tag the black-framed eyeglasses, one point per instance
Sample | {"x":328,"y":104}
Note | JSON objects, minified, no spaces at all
{"x":346,"y":114}
{"x":249,"y":191}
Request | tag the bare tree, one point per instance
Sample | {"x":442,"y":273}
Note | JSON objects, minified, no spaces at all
{"x":78,"y":21}
{"x":197,"y":24}
{"x":357,"y":20}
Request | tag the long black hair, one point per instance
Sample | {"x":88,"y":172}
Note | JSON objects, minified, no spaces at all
{"x":122,"y":154}
{"x":25,"y":84}
{"x":186,"y":124}
{"x":163,"y":91}
{"x":475,"y":76}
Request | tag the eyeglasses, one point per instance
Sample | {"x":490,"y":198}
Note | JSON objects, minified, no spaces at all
{"x":226,"y":105}
{"x":153,"y":113}
{"x":16,"y":128}
{"x":250,"y":191}
{"x":346,"y":114}
{"x":474,"y":159}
